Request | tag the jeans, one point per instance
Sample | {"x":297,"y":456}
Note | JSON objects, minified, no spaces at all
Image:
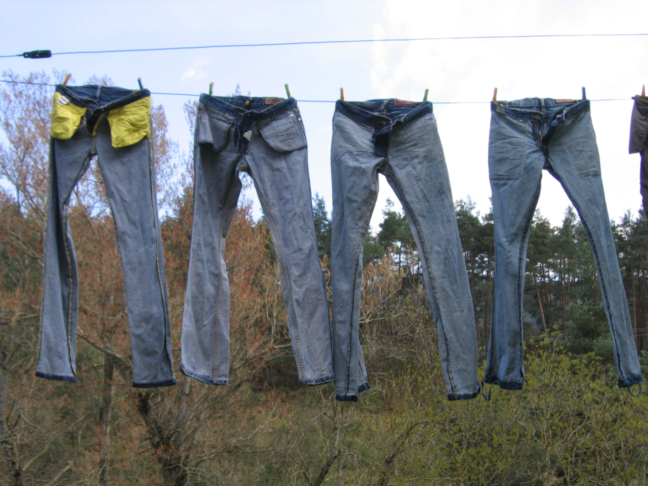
{"x":113,"y":124}
{"x":527,"y":136}
{"x":265,"y":138}
{"x":639,"y":143}
{"x":398,"y":139}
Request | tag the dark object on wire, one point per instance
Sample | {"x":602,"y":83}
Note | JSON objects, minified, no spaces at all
{"x":37,"y":54}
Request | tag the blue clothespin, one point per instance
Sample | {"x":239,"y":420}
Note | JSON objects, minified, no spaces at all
{"x":425,"y":97}
{"x":584,"y":95}
{"x":139,"y":81}
{"x":211,"y":86}
{"x":287,"y":90}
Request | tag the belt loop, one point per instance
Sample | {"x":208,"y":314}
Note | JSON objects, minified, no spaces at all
{"x":98,"y":93}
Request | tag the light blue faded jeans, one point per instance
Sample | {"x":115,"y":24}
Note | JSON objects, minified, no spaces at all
{"x":527,"y":136}
{"x":265,"y":138}
{"x":398,"y":139}
{"x":129,"y":175}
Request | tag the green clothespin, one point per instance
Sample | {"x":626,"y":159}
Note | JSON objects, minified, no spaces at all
{"x":287,"y":90}
{"x":139,"y":80}
{"x":425,"y":97}
{"x":211,"y":87}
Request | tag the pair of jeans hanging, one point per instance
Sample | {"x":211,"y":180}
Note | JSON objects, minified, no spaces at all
{"x":527,"y":136}
{"x":265,"y":138}
{"x":400,"y":140}
{"x":639,"y":143}
{"x":113,"y":124}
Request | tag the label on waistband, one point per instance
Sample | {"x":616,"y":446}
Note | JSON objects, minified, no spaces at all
{"x":273,"y":101}
{"x":62,"y":101}
{"x":403,"y":103}
{"x":565,"y":101}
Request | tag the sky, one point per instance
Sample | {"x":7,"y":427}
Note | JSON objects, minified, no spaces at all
{"x":453,"y":70}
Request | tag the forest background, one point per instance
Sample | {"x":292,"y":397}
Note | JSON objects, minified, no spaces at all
{"x":570,"y":425}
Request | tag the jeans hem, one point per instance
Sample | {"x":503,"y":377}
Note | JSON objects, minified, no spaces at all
{"x":155,"y":384}
{"x":69,"y":379}
{"x":318,"y":381}
{"x":347,"y":397}
{"x":204,"y":379}
{"x":629,"y":381}
{"x":364,"y":387}
{"x":462,"y":396}
{"x":505,"y":385}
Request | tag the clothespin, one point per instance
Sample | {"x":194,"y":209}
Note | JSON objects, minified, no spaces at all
{"x":139,"y":81}
{"x":495,"y":96}
{"x":643,"y":92}
{"x":211,"y":87}
{"x":426,"y":93}
{"x":287,"y":90}
{"x":67,"y":78}
{"x":584,"y":95}
{"x":341,"y":94}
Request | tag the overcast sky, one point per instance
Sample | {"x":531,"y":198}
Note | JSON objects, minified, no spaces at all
{"x":453,"y":70}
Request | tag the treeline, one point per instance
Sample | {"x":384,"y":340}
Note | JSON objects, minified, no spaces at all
{"x":569,"y":426}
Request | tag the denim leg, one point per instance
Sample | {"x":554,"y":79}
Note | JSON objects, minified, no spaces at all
{"x":129,"y":175}
{"x":515,"y":167}
{"x":68,"y":162}
{"x":417,"y":172}
{"x":205,"y":324}
{"x":574,"y":159}
{"x":280,"y":173}
{"x":354,"y":169}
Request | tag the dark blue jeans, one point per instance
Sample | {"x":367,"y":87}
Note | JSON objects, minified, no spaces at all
{"x":527,"y":136}
{"x":398,"y":139}
{"x":114,"y":124}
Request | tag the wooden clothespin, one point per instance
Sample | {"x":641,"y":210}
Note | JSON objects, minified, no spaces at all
{"x":287,"y":90}
{"x":211,"y":87}
{"x":426,"y":93}
{"x":495,"y":96}
{"x":643,"y":92}
{"x":584,"y":95}
{"x":341,"y":94}
{"x":139,"y":81}
{"x":67,"y":78}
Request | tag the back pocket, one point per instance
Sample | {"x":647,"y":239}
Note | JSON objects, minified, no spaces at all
{"x":284,"y":134}
{"x":507,"y":146}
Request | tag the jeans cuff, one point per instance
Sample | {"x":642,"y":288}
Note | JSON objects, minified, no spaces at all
{"x":155,"y":384}
{"x":348,"y":397}
{"x":318,"y":381}
{"x":69,"y":379}
{"x":504,"y":385}
{"x":204,"y":379}
{"x":462,"y":396}
{"x":628,"y":381}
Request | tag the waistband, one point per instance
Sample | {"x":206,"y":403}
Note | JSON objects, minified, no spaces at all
{"x":381,"y":115}
{"x":96,"y":97}
{"x":536,"y":108}
{"x":254,"y":108}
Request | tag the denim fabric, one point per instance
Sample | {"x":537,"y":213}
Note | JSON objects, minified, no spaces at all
{"x":129,"y":175}
{"x":264,"y":137}
{"x":527,"y":136}
{"x":398,"y":139}
{"x":639,"y":143}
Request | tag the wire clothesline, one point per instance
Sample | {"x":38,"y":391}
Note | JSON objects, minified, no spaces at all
{"x":302,"y":101}
{"x":301,"y":43}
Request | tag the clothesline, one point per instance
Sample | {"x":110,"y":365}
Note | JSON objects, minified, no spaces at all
{"x":307,"y":101}
{"x":302,"y":43}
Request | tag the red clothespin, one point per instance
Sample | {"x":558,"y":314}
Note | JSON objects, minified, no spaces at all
{"x":643,"y":92}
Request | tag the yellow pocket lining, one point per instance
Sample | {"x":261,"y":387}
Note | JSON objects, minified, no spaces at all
{"x":66,"y":118}
{"x":130,"y":123}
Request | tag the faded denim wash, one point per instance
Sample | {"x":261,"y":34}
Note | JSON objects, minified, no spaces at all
{"x":265,"y":138}
{"x":527,"y":136}
{"x":639,"y":143}
{"x":398,"y":139}
{"x":85,"y":120}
